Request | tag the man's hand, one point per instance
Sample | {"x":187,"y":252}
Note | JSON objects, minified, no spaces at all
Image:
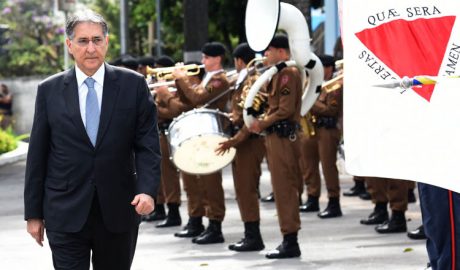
{"x":144,"y":204}
{"x":179,"y":73}
{"x":36,"y":228}
{"x":224,"y":147}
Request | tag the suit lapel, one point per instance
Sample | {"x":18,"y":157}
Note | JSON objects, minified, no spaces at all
{"x":109,"y":98}
{"x":73,"y":106}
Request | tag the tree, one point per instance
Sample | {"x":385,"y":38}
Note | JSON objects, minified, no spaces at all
{"x":35,"y":39}
{"x":4,"y":39}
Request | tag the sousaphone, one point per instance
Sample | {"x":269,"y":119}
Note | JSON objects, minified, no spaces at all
{"x":263,"y":19}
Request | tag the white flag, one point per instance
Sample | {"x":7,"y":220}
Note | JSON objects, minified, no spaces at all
{"x":389,"y":132}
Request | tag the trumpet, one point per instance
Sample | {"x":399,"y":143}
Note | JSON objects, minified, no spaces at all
{"x":165,"y":73}
{"x":158,"y":84}
{"x":335,"y":83}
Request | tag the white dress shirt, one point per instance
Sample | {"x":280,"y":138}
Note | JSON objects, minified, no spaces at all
{"x":83,"y":89}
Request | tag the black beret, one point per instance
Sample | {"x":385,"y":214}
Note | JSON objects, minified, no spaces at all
{"x":213,"y":49}
{"x":279,"y":41}
{"x":244,"y":52}
{"x":146,"y":61}
{"x":116,"y":61}
{"x":327,"y":60}
{"x":165,"y":61}
{"x":129,"y":61}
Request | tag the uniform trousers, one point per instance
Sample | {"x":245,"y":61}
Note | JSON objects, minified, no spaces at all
{"x":384,"y":190}
{"x":246,"y":174}
{"x":205,"y":195}
{"x":170,"y":180}
{"x":283,"y":155}
{"x":321,"y":148}
{"x":441,"y":222}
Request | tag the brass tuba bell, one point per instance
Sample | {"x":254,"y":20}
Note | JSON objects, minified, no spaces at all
{"x":260,"y":100}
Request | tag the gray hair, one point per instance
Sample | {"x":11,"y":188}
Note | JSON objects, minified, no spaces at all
{"x":85,"y":16}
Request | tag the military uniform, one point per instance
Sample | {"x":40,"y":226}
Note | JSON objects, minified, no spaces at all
{"x":169,"y":107}
{"x":206,"y":188}
{"x":384,"y":191}
{"x":283,"y":148}
{"x":322,"y":148}
{"x":250,"y":151}
{"x":441,"y":221}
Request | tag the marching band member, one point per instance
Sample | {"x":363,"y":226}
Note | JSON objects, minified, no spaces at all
{"x":171,"y":106}
{"x":281,"y":123}
{"x":384,"y":191}
{"x":207,"y":187}
{"x":170,"y":184}
{"x":322,"y":148}
{"x":250,"y":151}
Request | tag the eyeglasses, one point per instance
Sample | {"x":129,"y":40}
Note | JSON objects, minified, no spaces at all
{"x":84,"y":42}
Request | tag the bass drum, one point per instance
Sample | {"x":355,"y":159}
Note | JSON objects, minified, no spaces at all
{"x":194,"y":135}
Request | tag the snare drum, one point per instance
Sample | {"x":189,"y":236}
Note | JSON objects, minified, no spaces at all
{"x":194,"y":135}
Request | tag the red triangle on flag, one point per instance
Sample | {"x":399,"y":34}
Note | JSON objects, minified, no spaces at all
{"x":411,"y":48}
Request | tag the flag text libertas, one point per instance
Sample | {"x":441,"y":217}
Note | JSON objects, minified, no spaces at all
{"x":373,"y":64}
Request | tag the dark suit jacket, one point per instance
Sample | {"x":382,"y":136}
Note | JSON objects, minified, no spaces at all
{"x":64,"y":169}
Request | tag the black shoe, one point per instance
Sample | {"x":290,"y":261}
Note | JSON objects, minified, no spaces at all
{"x":417,"y":234}
{"x":248,"y":244}
{"x":411,"y":196}
{"x":169,"y":222}
{"x":252,"y":240}
{"x":158,"y":214}
{"x":365,"y":196}
{"x":269,"y":198}
{"x":289,"y":248}
{"x":312,"y":205}
{"x":212,"y":234}
{"x":376,"y":217}
{"x":173,"y":218}
{"x":396,"y":224}
{"x":193,"y":228}
{"x":356,"y":190}
{"x":332,"y":210}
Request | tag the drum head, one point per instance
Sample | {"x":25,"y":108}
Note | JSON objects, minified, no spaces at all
{"x":261,"y":22}
{"x":196,"y":155}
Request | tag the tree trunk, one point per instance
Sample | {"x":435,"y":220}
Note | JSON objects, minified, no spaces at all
{"x":195,"y":28}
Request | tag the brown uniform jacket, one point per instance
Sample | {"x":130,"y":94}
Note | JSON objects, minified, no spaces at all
{"x":199,"y":95}
{"x":170,"y":106}
{"x":284,"y":97}
{"x":328,"y":104}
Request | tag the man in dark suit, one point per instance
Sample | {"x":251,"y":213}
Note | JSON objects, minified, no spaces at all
{"x":93,"y":165}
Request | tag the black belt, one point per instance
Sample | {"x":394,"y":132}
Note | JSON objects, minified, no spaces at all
{"x":327,"y":122}
{"x":284,"y":128}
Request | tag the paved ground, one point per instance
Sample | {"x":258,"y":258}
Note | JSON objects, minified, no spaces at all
{"x":340,"y":243}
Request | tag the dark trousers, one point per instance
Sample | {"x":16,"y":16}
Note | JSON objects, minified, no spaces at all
{"x":114,"y":251}
{"x":441,"y":221}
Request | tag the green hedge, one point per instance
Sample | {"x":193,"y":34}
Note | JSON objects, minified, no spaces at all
{"x":8,"y":142}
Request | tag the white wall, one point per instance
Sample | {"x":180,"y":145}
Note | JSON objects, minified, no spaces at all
{"x":24,"y":92}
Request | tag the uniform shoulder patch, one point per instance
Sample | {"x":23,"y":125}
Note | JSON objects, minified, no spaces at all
{"x":284,"y":80}
{"x":285,"y":91}
{"x":216,"y":83}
